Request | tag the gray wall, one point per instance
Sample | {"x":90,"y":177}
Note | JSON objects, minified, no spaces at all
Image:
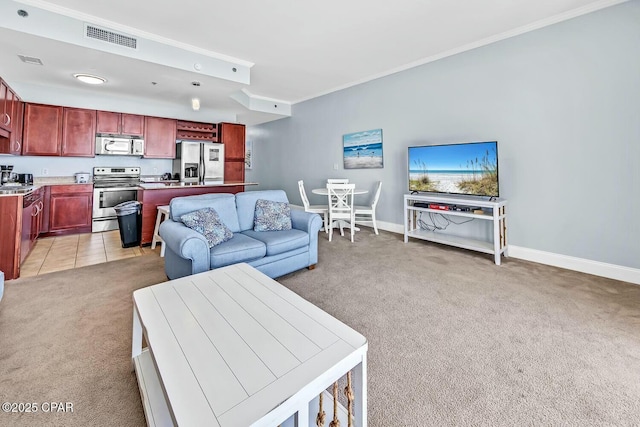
{"x":563,"y":103}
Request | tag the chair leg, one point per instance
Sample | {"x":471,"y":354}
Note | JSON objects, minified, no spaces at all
{"x":330,"y":233}
{"x":326,"y":222}
{"x":353,"y":225}
{"x":375,"y":226}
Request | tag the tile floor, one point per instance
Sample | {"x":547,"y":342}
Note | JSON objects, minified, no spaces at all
{"x":65,"y":252}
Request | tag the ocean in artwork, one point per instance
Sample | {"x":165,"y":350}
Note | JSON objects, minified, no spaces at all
{"x":363,"y":150}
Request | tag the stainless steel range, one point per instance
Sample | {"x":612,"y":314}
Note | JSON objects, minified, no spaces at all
{"x":112,"y":186}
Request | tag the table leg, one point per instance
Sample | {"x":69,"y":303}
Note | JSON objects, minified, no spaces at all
{"x":302,"y":416}
{"x":136,"y":339}
{"x":360,"y":392}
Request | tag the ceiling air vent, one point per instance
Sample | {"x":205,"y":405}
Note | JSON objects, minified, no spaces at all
{"x":93,"y":32}
{"x":30,"y":60}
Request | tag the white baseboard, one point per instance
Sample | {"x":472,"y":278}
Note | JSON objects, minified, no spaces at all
{"x":610,"y":271}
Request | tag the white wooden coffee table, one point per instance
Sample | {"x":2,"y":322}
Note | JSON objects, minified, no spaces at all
{"x":232,"y":347}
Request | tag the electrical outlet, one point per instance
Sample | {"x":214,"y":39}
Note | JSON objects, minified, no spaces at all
{"x":45,"y":171}
{"x":335,"y":166}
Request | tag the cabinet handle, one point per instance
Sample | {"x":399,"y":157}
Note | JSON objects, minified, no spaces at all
{"x":7,"y":119}
{"x":18,"y":145}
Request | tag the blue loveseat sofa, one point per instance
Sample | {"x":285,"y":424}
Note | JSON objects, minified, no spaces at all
{"x":275,"y":253}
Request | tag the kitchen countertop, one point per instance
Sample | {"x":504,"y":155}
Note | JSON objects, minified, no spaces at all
{"x":176,"y":185}
{"x":6,"y":191}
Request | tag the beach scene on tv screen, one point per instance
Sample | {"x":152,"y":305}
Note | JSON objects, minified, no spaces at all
{"x":457,"y":168}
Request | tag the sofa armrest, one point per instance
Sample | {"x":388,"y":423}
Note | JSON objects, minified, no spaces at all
{"x":186,"y":243}
{"x":306,"y":221}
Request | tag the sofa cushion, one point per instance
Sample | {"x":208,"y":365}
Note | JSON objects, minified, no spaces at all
{"x":239,"y":248}
{"x":223,"y":203}
{"x":278,"y":242}
{"x":207,"y":222}
{"x":271,"y":216}
{"x":246,"y":203}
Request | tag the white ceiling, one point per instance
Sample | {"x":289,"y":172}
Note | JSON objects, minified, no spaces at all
{"x":294,"y":50}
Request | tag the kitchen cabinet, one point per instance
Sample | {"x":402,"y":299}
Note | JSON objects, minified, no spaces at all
{"x":78,"y":132}
{"x":51,"y":130}
{"x":15,"y":140}
{"x":11,"y":112}
{"x":120,"y":123}
{"x":70,"y":208}
{"x":42,"y":130}
{"x":160,"y":138}
{"x":232,"y":135}
{"x":10,"y":235}
{"x":33,"y":206}
{"x":6,"y":106}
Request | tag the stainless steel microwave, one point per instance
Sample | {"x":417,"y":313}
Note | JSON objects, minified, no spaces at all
{"x":119,"y":146}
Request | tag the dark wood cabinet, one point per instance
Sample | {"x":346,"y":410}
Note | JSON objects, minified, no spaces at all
{"x":70,"y":208}
{"x":120,"y":123}
{"x":11,"y":111}
{"x":31,"y":222}
{"x":78,"y":132}
{"x":232,"y":135}
{"x":159,"y":138}
{"x":42,"y":130}
{"x":10,"y":235}
{"x":6,"y":106}
{"x":15,"y":140}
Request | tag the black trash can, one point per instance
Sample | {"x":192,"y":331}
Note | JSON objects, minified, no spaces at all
{"x":130,"y":223}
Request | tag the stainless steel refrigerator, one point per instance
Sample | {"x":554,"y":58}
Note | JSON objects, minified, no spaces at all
{"x":199,"y":162}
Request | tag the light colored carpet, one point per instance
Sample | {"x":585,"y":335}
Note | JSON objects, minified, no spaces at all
{"x":453,"y":339}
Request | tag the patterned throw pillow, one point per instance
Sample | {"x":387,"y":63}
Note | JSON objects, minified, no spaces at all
{"x":271,"y":216}
{"x":207,"y":222}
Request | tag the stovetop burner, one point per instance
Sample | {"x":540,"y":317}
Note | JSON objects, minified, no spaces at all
{"x":116,"y":177}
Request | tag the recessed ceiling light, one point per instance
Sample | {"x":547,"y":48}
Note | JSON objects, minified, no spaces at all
{"x":90,"y":79}
{"x":195,"y":104}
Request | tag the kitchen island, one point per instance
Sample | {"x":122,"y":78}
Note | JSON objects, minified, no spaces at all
{"x":154,"y":194}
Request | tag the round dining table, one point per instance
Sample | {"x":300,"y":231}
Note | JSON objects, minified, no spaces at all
{"x":325,"y":192}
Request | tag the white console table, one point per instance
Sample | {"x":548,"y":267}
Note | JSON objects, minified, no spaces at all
{"x":493,"y":211}
{"x":232,"y":347}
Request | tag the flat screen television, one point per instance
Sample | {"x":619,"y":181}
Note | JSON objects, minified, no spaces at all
{"x":468,"y":168}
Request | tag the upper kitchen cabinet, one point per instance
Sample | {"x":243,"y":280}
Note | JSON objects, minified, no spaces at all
{"x":15,"y":140}
{"x":120,"y":123}
{"x":6,"y":106}
{"x":11,"y":112}
{"x":159,"y":137}
{"x":232,"y":136}
{"x":42,"y":130}
{"x":51,"y":130}
{"x":78,"y":132}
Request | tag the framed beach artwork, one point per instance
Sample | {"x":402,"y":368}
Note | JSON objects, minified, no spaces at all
{"x":363,"y":149}
{"x":248,"y":154}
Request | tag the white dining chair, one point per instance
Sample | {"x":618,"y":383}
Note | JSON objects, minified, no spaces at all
{"x":337,"y":180}
{"x":340,"y":198}
{"x":367,"y":213}
{"x":319,"y":209}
